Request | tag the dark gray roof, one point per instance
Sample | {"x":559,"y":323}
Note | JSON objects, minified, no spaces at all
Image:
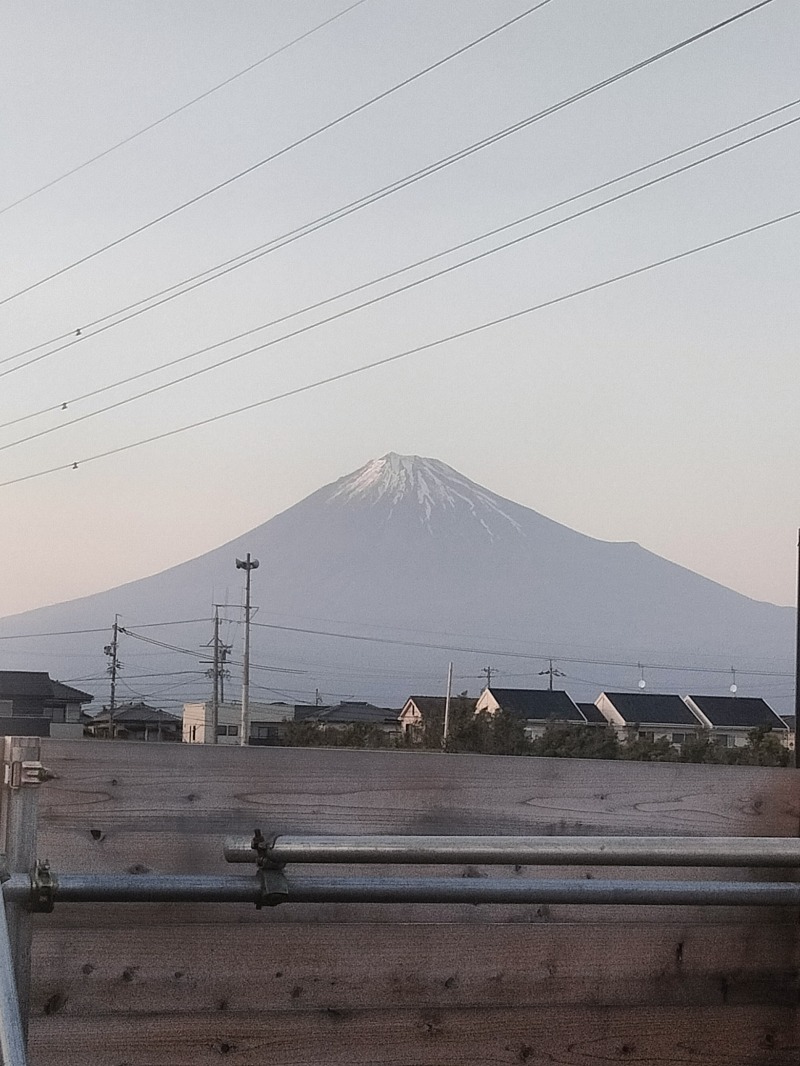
{"x":537,"y":704}
{"x":789,"y":720}
{"x":24,"y":683}
{"x":744,"y":712}
{"x":650,"y":708}
{"x":435,"y":704}
{"x":67,"y":694}
{"x":138,"y":712}
{"x":352,"y":713}
{"x":592,"y":715}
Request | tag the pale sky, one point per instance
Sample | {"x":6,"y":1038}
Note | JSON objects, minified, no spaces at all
{"x":662,"y":409}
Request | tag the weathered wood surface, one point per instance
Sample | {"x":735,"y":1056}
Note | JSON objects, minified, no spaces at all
{"x":167,"y":984}
{"x":197,"y":969}
{"x":536,"y":1036}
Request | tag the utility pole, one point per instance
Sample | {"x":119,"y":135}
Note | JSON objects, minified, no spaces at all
{"x":216,"y":673}
{"x":248,"y":565}
{"x":488,"y":671}
{"x":553,"y":672}
{"x":446,"y":727}
{"x":112,"y":650}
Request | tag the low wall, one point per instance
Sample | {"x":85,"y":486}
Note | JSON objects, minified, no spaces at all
{"x":428,"y":985}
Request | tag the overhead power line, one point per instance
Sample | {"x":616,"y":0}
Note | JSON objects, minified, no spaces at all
{"x":245,"y":258}
{"x":178,"y":110}
{"x":288,"y":148}
{"x":516,"y":654}
{"x":430,"y":345}
{"x":375,"y":299}
{"x":76,"y":632}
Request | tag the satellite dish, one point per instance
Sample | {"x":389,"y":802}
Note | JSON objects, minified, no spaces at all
{"x":642,"y":683}
{"x":734,"y":689}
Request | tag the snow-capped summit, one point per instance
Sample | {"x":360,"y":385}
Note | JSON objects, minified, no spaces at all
{"x":425,"y":485}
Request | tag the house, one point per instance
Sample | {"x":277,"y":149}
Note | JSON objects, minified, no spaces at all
{"x":732,"y":718}
{"x":343,"y":715}
{"x":649,"y":715}
{"x":134,"y":721}
{"x":790,"y":721}
{"x":537,"y":708}
{"x":32,"y":704}
{"x":268,"y":722}
{"x":421,"y":711}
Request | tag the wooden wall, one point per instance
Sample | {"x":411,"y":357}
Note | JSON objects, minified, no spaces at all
{"x":424,"y":985}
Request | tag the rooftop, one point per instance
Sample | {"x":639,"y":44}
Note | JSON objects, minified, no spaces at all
{"x":537,"y":704}
{"x":743,"y":712}
{"x":650,"y":708}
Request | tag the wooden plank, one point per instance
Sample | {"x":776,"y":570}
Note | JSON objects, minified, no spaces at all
{"x":536,"y":1036}
{"x":202,"y":792}
{"x":205,"y":969}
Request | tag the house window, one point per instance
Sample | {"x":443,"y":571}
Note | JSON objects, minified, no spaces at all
{"x":265,"y":732}
{"x":724,"y":741}
{"x":227,"y":731}
{"x":680,"y":738}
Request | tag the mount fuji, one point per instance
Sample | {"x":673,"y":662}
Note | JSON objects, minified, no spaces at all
{"x":371,"y":584}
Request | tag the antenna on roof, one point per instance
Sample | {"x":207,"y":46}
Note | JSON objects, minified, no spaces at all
{"x":642,"y":682}
{"x":733,"y":686}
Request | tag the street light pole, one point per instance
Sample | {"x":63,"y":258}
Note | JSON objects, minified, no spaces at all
{"x":247,"y":565}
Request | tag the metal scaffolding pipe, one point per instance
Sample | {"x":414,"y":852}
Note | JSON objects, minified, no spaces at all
{"x":12,"y":1036}
{"x":165,"y":888}
{"x":524,"y":850}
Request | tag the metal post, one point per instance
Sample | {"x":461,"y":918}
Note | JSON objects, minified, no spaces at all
{"x":247,"y":565}
{"x":797,"y":658}
{"x":446,"y":727}
{"x":215,"y":700}
{"x":12,"y":1033}
{"x":22,"y":774}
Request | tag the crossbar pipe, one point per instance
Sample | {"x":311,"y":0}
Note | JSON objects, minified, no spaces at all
{"x":522,"y":850}
{"x":166,"y":888}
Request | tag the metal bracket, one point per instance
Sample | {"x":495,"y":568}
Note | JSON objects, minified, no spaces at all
{"x":25,"y":772}
{"x":263,"y":846}
{"x":43,"y":888}
{"x":273,"y":888}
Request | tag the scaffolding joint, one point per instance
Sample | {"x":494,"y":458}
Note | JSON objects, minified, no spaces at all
{"x":44,"y":884}
{"x":272,"y":888}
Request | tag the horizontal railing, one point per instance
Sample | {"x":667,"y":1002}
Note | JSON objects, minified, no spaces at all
{"x":518,"y":850}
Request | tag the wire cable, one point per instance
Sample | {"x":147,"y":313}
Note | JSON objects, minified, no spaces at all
{"x":367,"y":303}
{"x":344,"y":374}
{"x":245,"y":258}
{"x":288,"y":148}
{"x":178,"y":110}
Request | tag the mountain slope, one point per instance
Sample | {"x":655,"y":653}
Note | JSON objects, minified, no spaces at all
{"x":409,"y":544}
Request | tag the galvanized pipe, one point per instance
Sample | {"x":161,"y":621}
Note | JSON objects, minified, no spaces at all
{"x":12,"y":1035}
{"x":524,"y":850}
{"x":165,"y":888}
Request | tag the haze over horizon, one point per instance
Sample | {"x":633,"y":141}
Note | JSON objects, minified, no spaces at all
{"x":659,"y":410}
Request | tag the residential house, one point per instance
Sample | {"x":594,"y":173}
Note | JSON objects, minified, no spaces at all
{"x":537,"y":708}
{"x":268,"y":723}
{"x":343,"y":715}
{"x":790,"y":721}
{"x":420,"y":711}
{"x":134,"y":721}
{"x":649,"y":715}
{"x":731,"y":719}
{"x":32,"y":704}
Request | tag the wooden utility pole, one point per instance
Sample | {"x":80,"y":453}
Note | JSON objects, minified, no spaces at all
{"x":797,"y":657}
{"x":248,"y":565}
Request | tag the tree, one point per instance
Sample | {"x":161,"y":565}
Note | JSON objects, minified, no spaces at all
{"x":562,"y":740}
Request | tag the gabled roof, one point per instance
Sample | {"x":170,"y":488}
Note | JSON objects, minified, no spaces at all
{"x":435,"y":704}
{"x":138,"y":712}
{"x":743,"y":712}
{"x":651,"y":708}
{"x":591,"y":713}
{"x":25,"y":683}
{"x":537,"y":704}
